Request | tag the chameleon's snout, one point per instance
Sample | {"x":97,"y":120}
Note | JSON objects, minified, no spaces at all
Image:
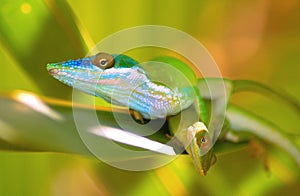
{"x":53,"y":71}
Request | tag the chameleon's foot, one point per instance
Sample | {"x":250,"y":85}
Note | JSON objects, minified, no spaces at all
{"x":259,"y":151}
{"x":138,"y":117}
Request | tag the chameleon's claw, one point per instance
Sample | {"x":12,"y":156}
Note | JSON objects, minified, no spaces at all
{"x":258,"y":151}
{"x":138,"y":117}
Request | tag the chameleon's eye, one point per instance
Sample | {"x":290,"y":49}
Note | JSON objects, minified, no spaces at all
{"x":103,"y":60}
{"x":203,"y":140}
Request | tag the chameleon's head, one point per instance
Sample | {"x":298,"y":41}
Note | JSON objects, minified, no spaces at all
{"x":200,"y":147}
{"x":88,"y":68}
{"x":101,"y":70}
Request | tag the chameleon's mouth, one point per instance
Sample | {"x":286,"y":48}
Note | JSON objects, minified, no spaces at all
{"x":52,"y":68}
{"x":53,"y":71}
{"x":69,"y":74}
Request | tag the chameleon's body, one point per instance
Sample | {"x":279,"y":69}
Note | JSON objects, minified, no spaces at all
{"x":125,"y":84}
{"x":119,"y":80}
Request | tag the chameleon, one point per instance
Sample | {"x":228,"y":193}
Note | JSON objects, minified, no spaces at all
{"x":118,"y":79}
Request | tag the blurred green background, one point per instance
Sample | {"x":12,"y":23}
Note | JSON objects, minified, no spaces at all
{"x":257,"y":40}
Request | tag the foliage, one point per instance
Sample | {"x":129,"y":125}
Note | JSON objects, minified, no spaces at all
{"x":34,"y":33}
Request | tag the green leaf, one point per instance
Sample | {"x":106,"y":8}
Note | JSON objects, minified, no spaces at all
{"x":34,"y":123}
{"x":38,"y":32}
{"x":280,"y":95}
{"x":29,"y":125}
{"x":243,"y":121}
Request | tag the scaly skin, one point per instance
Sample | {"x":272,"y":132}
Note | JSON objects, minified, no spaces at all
{"x":127,"y":84}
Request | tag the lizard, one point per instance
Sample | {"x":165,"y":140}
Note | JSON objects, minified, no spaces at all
{"x":118,"y":79}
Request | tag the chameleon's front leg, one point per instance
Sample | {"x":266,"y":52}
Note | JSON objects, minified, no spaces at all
{"x":245,"y":139}
{"x":138,"y":117}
